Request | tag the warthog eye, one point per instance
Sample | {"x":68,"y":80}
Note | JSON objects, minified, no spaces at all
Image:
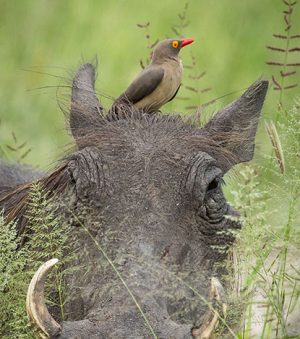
{"x":204,"y":183}
{"x":214,"y":205}
{"x":215,"y":183}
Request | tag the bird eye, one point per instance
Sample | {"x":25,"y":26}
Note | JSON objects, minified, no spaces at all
{"x":175,"y":44}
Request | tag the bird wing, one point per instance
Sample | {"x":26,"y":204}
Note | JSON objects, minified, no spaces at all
{"x":175,"y":93}
{"x":144,"y":84}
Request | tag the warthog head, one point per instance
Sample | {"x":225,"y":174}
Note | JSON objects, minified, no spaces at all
{"x":144,"y":195}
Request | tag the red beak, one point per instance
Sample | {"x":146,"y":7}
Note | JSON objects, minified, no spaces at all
{"x":186,"y":42}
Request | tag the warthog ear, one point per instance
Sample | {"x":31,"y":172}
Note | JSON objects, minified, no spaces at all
{"x":234,"y":126}
{"x":86,"y":111}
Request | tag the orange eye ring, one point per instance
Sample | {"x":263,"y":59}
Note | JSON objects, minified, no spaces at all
{"x":175,"y":44}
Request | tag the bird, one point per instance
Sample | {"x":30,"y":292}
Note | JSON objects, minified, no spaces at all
{"x":159,"y":82}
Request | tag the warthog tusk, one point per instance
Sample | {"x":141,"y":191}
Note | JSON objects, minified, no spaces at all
{"x":35,"y":302}
{"x":41,"y":318}
{"x":211,"y":318}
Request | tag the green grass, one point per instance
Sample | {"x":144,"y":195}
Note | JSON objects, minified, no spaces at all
{"x":49,"y":39}
{"x":47,"y":237}
{"x":267,"y":248}
{"x":53,"y":37}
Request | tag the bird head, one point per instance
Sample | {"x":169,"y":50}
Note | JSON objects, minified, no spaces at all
{"x":169,"y":49}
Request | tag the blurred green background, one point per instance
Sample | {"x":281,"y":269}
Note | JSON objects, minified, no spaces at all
{"x":42,"y":42}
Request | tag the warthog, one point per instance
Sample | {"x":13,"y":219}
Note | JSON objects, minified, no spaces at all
{"x":147,"y":189}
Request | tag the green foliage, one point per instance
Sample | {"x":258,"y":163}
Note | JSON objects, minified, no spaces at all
{"x":230,"y":36}
{"x":266,"y":270}
{"x":13,"y":284}
{"x":47,"y":237}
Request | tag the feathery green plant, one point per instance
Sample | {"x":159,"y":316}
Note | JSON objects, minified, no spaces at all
{"x":13,"y":284}
{"x":47,"y":237}
{"x":265,"y":268}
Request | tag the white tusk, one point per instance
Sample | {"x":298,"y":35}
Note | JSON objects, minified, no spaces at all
{"x":216,"y":294}
{"x":35,"y":302}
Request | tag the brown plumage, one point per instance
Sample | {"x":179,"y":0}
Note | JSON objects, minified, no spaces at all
{"x":159,"y":82}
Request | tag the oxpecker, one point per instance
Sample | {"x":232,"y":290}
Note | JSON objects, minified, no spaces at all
{"x":159,"y":82}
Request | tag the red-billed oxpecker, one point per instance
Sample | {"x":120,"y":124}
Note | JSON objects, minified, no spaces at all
{"x":159,"y":82}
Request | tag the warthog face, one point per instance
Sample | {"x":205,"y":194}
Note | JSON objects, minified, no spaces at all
{"x":148,"y":191}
